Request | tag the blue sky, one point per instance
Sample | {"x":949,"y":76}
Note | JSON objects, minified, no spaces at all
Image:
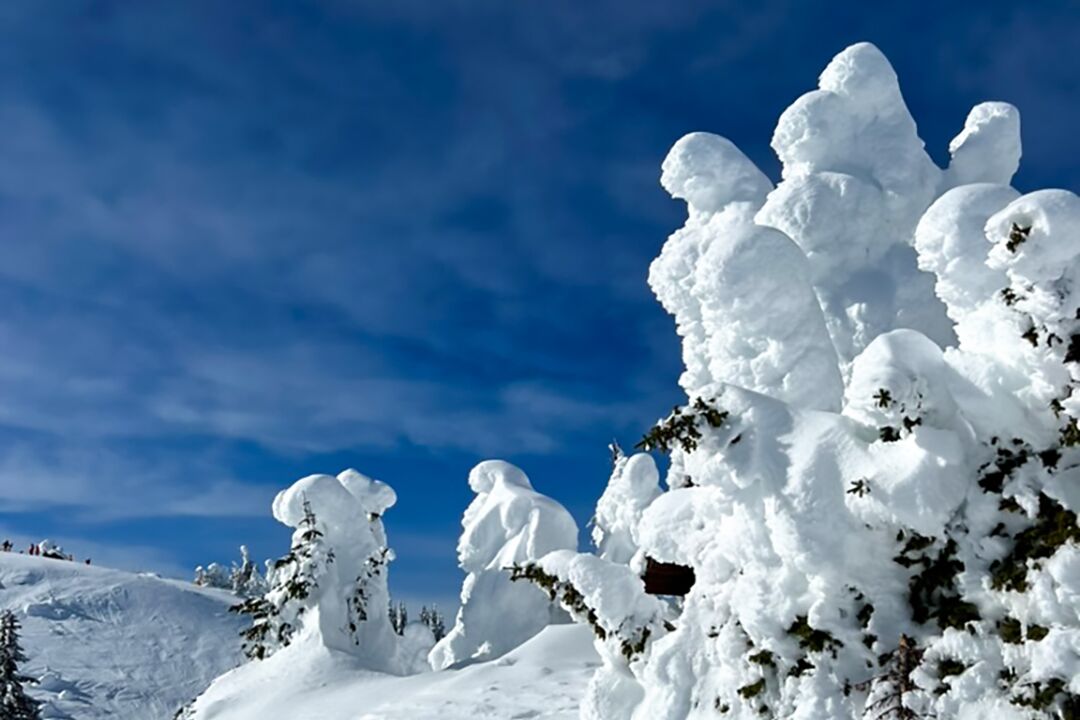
{"x":245,"y":242}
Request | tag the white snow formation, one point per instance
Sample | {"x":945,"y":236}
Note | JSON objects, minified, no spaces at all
{"x":507,"y":524}
{"x":634,"y":484}
{"x":886,"y":516}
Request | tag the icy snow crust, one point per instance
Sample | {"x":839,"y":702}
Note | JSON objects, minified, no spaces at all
{"x":507,"y":524}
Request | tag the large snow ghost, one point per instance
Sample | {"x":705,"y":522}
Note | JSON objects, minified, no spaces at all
{"x":507,"y":524}
{"x":895,"y":533}
{"x":331,"y":589}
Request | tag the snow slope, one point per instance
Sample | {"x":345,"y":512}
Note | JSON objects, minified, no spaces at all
{"x":112,"y":644}
{"x":543,"y":679}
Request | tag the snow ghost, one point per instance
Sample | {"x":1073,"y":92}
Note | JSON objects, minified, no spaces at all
{"x":856,"y":180}
{"x":507,"y":524}
{"x":331,"y":589}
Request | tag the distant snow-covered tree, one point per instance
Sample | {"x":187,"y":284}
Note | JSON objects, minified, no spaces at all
{"x":15,"y":704}
{"x":213,"y":575}
{"x":399,"y":617}
{"x":245,"y":579}
{"x":433,"y":620}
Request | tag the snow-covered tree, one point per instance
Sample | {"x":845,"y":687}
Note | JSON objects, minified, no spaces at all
{"x":875,"y":476}
{"x":214,"y":575}
{"x":15,"y":704}
{"x":508,"y":523}
{"x":331,"y":588}
{"x":433,"y":620}
{"x":244,"y":579}
{"x":634,"y":484}
{"x":399,"y":617}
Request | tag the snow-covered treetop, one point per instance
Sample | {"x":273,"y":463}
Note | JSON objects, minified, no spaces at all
{"x":509,"y":522}
{"x":336,"y":500}
{"x":709,"y":172}
{"x":634,"y":484}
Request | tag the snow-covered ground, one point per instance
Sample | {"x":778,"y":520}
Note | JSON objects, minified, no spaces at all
{"x":544,"y":678}
{"x":112,"y":644}
{"x":116,"y":645}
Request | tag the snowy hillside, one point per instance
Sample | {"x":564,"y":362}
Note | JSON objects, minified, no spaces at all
{"x":111,"y":644}
{"x":543,"y":679}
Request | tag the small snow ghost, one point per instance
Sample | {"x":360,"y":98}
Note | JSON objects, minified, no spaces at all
{"x":508,"y":523}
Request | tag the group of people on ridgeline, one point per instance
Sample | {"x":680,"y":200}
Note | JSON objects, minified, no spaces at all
{"x":43,"y":549}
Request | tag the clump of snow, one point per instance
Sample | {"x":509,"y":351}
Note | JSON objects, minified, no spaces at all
{"x":987,"y":150}
{"x":507,"y":524}
{"x":953,"y":246}
{"x":709,"y":172}
{"x":856,"y":180}
{"x":610,"y":597}
{"x":721,"y":275}
{"x":634,"y":484}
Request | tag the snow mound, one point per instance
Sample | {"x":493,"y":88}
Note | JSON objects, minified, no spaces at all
{"x":110,"y":644}
{"x":543,"y":679}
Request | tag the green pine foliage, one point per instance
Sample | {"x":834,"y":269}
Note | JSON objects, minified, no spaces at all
{"x":683,"y":427}
{"x":293,"y":578}
{"x":15,"y":704}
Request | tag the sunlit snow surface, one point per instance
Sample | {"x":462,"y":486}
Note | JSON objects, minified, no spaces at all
{"x":543,"y":679}
{"x":111,"y":644}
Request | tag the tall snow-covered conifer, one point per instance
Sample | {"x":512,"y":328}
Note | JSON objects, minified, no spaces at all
{"x":15,"y":704}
